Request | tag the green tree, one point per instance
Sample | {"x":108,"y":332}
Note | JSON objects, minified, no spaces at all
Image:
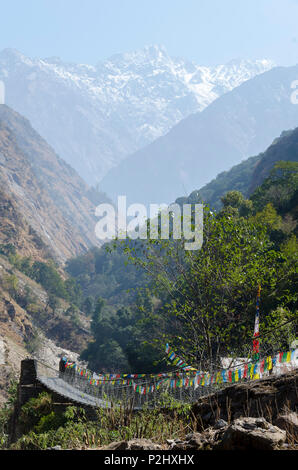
{"x":235,"y":202}
{"x":280,"y":188}
{"x":209,"y":308}
{"x":53,"y":302}
{"x":10,"y":283}
{"x":88,"y":305}
{"x":49,"y":278}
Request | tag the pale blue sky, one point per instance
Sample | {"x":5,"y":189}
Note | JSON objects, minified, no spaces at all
{"x":205,"y":31}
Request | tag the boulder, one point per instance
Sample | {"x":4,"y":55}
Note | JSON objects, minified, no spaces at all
{"x":133,"y":444}
{"x":193,"y":441}
{"x":120,"y":445}
{"x":250,"y":434}
{"x":220,"y":424}
{"x":143,"y":444}
{"x":288,"y":422}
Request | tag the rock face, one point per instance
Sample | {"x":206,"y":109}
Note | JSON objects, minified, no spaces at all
{"x":95,"y":115}
{"x":266,"y":398}
{"x":16,"y":231}
{"x":23,"y":329}
{"x":42,"y":199}
{"x":251,"y":434}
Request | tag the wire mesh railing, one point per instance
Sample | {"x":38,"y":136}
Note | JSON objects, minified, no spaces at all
{"x":153,"y":392}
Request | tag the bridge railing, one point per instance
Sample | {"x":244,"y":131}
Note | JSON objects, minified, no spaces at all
{"x":157,"y":391}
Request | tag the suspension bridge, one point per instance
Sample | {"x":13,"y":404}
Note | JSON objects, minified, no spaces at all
{"x":83,"y":387}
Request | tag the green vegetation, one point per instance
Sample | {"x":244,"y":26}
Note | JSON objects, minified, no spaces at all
{"x":43,"y":426}
{"x":45,"y":274}
{"x":6,"y":413}
{"x":10,"y":283}
{"x":202,"y":303}
{"x":141,"y":295}
{"x":280,"y":189}
{"x":107,"y":274}
{"x":117,"y":297}
{"x":119,"y":343}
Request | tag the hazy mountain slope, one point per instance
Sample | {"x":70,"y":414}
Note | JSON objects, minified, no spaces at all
{"x":238,"y":124}
{"x":284,"y":148}
{"x":16,"y":232}
{"x":238,"y":178}
{"x":249,"y":174}
{"x":48,"y":194}
{"x":93,"y":116}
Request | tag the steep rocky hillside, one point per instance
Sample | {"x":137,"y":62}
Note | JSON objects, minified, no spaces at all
{"x":46,"y":216}
{"x":30,"y":327}
{"x":42,"y":190}
{"x":15,"y":231}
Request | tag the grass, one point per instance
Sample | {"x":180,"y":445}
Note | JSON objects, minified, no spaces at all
{"x":43,"y":426}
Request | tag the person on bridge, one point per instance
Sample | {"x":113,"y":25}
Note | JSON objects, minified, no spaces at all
{"x":62,"y":365}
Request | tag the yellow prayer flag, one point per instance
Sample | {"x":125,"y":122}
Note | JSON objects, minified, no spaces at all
{"x":289,"y":356}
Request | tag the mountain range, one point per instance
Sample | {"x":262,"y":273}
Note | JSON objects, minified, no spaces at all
{"x":239,"y":124}
{"x":95,"y":115}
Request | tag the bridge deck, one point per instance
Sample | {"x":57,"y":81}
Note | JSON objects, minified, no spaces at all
{"x":66,"y":390}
